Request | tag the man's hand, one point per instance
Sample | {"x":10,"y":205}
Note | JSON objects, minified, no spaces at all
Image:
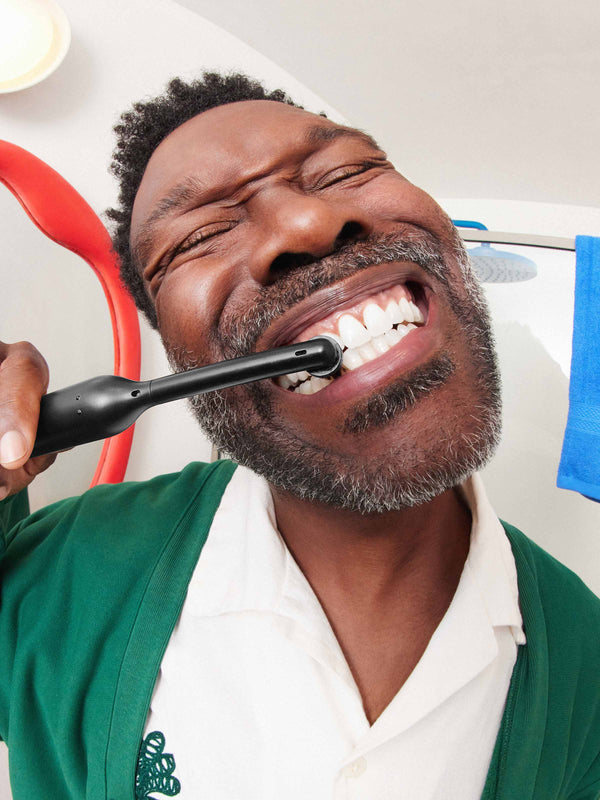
{"x":23,"y":381}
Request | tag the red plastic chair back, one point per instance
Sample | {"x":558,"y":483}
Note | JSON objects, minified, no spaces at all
{"x":63,"y":215}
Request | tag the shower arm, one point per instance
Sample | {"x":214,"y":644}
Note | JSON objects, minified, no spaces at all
{"x":527,"y":239}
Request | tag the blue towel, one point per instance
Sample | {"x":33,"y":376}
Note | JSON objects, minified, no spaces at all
{"x":580,"y":460}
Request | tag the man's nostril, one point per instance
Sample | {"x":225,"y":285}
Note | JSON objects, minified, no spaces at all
{"x":351,"y":232}
{"x":288,"y":261}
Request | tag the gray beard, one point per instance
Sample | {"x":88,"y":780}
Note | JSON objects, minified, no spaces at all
{"x":243,"y":424}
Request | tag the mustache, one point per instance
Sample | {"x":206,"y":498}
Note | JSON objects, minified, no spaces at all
{"x":238,"y":332}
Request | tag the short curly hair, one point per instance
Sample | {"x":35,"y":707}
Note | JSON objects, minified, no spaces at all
{"x":139,"y":133}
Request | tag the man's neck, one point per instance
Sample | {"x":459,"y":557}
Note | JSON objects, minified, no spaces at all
{"x":384,"y":580}
{"x":366,"y":556}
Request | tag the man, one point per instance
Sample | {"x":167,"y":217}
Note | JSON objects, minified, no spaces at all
{"x":359,"y":624}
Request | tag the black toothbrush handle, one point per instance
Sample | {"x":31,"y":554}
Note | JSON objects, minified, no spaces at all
{"x":108,"y":404}
{"x":87,"y":411}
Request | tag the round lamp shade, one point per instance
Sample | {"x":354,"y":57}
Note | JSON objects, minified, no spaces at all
{"x":34,"y":38}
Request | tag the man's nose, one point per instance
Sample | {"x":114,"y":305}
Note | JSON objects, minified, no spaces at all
{"x":298,"y":229}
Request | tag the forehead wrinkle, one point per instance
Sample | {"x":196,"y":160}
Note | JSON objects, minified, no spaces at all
{"x":325,"y":133}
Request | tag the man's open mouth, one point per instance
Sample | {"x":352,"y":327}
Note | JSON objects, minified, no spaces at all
{"x":365,"y":331}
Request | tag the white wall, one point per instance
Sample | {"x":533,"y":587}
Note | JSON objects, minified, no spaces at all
{"x":125,"y":49}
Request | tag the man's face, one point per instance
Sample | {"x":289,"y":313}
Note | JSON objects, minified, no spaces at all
{"x":258,"y":224}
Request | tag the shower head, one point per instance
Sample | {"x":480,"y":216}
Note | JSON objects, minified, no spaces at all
{"x":495,"y":266}
{"x":498,"y":266}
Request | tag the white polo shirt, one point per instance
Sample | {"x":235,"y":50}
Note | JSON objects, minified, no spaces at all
{"x":256,"y":700}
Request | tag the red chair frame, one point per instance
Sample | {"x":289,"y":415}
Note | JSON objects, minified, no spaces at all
{"x":62,"y":214}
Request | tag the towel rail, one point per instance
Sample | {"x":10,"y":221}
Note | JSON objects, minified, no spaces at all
{"x":527,"y":239}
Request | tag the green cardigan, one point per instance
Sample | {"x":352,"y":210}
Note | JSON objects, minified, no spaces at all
{"x":93,"y":586}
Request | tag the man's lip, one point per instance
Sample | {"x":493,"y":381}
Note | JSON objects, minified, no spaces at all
{"x":411,"y":352}
{"x":343,"y":293}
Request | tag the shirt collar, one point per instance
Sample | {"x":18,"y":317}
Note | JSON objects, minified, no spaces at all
{"x":491,"y":561}
{"x":246,"y":566}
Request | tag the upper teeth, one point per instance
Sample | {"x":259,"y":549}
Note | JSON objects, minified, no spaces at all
{"x":362,"y":341}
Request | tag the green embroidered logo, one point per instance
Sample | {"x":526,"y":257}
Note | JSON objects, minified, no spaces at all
{"x":155,"y":769}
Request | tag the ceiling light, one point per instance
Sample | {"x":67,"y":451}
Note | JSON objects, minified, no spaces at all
{"x":34,"y":38}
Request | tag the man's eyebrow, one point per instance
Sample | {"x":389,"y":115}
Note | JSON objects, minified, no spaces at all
{"x":186,"y":191}
{"x":327,"y":133}
{"x":179,"y":197}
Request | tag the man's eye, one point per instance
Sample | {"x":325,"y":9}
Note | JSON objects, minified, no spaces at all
{"x":344,"y":173}
{"x":193,"y":240}
{"x":201,"y":235}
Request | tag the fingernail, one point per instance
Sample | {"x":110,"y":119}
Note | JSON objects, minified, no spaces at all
{"x":12,"y":447}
